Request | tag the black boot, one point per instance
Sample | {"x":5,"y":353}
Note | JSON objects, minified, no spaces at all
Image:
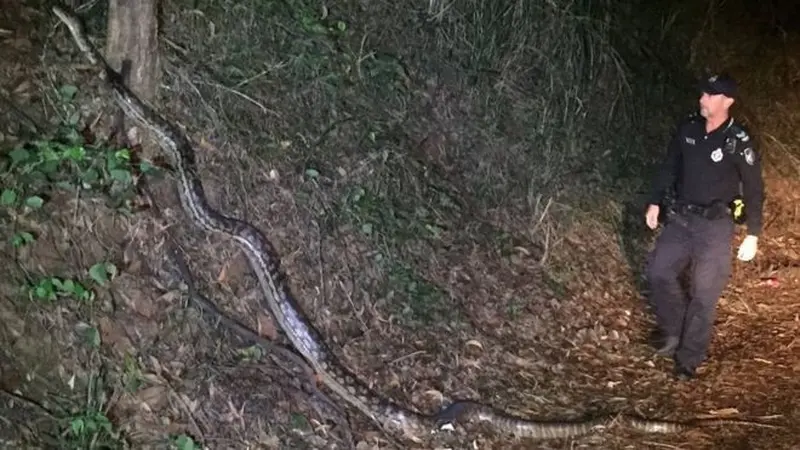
{"x":669,"y":346}
{"x":683,"y":373}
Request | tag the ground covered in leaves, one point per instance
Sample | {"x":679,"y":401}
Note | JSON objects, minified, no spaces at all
{"x":449,"y":202}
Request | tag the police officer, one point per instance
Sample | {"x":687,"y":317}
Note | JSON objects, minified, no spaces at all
{"x":710,"y":160}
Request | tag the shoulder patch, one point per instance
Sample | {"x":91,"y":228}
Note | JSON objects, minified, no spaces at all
{"x":749,"y":156}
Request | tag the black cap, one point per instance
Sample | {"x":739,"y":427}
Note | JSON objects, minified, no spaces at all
{"x":719,"y":84}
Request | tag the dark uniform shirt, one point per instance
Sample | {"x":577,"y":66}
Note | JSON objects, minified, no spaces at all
{"x":703,"y":169}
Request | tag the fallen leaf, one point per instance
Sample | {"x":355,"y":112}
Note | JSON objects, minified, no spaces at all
{"x":141,"y":304}
{"x":22,"y":88}
{"x":266,"y":327}
{"x":435,"y":394}
{"x":474,"y":344}
{"x":169,"y":297}
{"x":223,"y":274}
{"x":133,"y":135}
{"x":153,"y":397}
{"x":470,"y":363}
{"x":114,"y":335}
{"x":724,"y":412}
{"x":523,"y":250}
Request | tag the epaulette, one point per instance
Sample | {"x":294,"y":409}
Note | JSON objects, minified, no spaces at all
{"x":739,"y":132}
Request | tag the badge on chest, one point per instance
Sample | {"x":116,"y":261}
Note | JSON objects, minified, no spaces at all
{"x":716,"y":155}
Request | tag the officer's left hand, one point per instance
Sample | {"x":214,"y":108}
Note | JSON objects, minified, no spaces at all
{"x":747,"y":250}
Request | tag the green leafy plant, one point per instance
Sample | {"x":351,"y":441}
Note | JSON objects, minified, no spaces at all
{"x":68,"y":161}
{"x":33,"y":170}
{"x":183,"y":442}
{"x":87,"y":426}
{"x":51,"y":288}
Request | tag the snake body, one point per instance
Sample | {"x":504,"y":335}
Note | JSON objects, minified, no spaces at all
{"x":279,"y":302}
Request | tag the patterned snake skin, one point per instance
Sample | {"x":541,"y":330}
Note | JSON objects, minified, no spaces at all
{"x":278,"y":301}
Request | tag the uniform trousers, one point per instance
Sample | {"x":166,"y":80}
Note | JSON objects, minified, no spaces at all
{"x":703,"y":247}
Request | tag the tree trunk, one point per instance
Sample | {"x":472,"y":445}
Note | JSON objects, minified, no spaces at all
{"x":132,"y":48}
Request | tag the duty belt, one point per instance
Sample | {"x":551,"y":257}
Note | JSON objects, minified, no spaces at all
{"x":712,"y":212}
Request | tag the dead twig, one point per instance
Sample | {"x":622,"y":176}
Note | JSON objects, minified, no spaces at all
{"x":658,"y":444}
{"x":26,"y":119}
{"x":241,"y":94}
{"x":27,"y":401}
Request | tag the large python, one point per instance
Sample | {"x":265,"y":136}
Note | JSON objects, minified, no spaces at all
{"x":282,"y":306}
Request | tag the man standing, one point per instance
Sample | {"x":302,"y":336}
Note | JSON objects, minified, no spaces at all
{"x":711,"y":160}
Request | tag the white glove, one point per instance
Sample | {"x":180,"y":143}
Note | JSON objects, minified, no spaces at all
{"x":747,"y":250}
{"x":651,"y":217}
